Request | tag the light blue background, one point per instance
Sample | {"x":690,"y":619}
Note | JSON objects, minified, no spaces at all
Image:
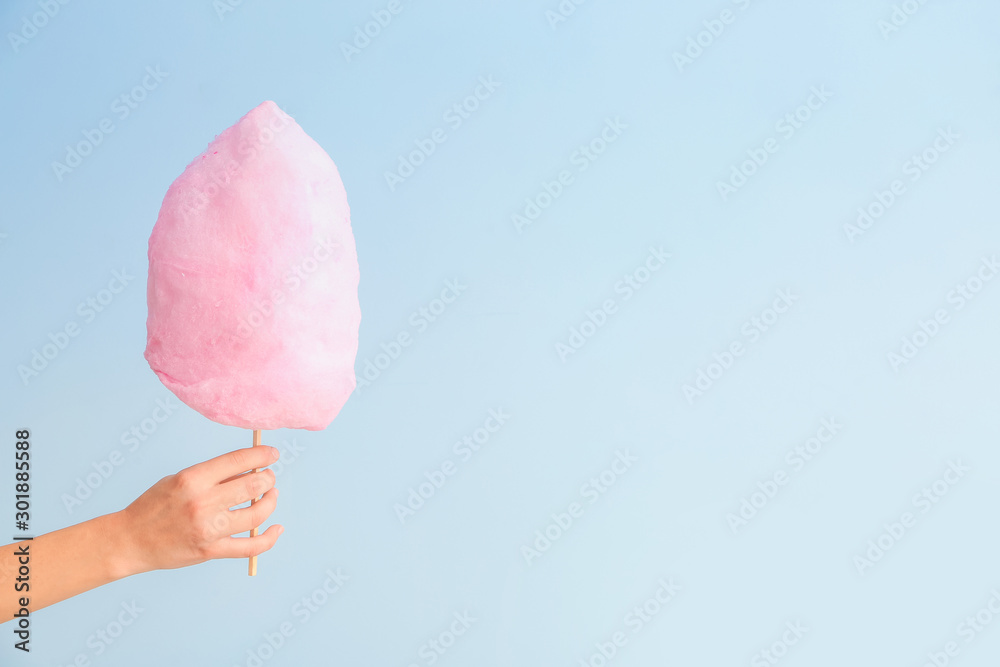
{"x":496,"y":345}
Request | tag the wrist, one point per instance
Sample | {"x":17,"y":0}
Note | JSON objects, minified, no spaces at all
{"x":122,"y":552}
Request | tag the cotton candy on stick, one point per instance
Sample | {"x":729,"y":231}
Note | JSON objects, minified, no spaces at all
{"x":252,"y":294}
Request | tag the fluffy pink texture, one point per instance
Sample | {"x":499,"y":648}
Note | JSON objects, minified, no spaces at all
{"x":253,"y":280}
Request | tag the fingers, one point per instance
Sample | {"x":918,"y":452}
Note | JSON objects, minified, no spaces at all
{"x":243,"y":488}
{"x":231,"y":464}
{"x":245,"y":547}
{"x":229,"y":479}
{"x":242,"y":520}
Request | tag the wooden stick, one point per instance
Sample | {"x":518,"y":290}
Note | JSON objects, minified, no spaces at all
{"x":253,"y":531}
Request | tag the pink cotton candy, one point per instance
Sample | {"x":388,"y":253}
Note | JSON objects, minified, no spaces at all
{"x":253,"y":280}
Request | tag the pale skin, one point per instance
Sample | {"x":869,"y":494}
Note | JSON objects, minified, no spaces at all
{"x":184,"y":519}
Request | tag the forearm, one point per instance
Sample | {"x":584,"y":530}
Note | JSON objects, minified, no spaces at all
{"x":64,"y":563}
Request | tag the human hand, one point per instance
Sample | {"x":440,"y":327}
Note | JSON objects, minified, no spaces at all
{"x":185,"y":519}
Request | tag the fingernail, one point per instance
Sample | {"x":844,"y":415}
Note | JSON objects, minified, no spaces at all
{"x":276,"y":492}
{"x":275,"y":453}
{"x":281,"y":529}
